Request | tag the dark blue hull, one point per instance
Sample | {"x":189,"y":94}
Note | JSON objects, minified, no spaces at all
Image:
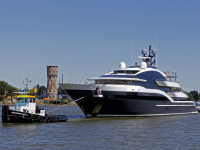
{"x":128,"y":104}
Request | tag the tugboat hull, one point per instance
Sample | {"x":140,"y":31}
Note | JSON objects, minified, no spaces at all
{"x":11,"y":116}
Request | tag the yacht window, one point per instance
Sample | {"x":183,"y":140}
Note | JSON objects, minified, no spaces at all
{"x":124,"y":82}
{"x":177,"y":89}
{"x":131,"y":72}
{"x":119,"y":71}
{"x":127,"y":71}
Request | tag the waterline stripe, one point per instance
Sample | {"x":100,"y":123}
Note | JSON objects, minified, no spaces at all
{"x":173,"y":105}
{"x":148,"y":115}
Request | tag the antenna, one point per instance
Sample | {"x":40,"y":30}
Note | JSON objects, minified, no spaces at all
{"x":26,"y":81}
{"x":157,"y":54}
{"x":23,"y":79}
{"x":132,"y":50}
{"x":150,"y":50}
{"x":31,"y":78}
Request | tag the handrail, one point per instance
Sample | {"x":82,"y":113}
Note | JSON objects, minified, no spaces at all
{"x":170,"y":74}
{"x":79,"y":81}
{"x":75,"y":81}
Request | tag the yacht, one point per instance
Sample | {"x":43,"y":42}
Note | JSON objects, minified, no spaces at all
{"x":139,"y":90}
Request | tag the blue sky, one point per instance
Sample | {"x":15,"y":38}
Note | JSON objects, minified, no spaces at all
{"x":86,"y":38}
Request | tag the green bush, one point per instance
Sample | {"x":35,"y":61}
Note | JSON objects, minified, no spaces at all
{"x":62,"y":101}
{"x":1,"y":98}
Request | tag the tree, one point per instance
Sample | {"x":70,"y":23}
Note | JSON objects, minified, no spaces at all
{"x":31,"y":92}
{"x":3,"y":86}
{"x":7,"y":89}
{"x":40,"y":89}
{"x":191,"y":98}
{"x":195,"y":94}
{"x":61,"y":91}
{"x":37,"y":87}
{"x":199,"y":95}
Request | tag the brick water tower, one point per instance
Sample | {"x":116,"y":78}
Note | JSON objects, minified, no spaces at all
{"x":52,"y":73}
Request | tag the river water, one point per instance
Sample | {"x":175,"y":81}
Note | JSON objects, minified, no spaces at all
{"x":163,"y":132}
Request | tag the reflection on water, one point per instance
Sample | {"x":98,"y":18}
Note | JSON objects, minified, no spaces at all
{"x":164,"y":132}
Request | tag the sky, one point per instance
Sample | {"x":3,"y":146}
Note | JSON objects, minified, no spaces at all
{"x":87,"y":38}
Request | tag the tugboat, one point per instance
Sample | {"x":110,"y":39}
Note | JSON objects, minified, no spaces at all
{"x":26,"y":111}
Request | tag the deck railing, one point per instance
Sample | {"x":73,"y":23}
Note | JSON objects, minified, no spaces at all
{"x":82,"y":81}
{"x":85,"y":82}
{"x":77,"y":81}
{"x":170,"y":74}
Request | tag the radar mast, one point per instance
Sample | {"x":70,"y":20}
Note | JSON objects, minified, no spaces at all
{"x":151,"y":58}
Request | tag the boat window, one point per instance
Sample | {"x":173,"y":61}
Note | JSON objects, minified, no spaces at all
{"x":179,"y":99}
{"x":119,"y":71}
{"x":32,"y":100}
{"x":126,"y":71}
{"x":22,"y":100}
{"x":177,"y":89}
{"x":123,"y":82}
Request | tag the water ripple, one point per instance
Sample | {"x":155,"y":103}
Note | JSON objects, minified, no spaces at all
{"x":79,"y":132}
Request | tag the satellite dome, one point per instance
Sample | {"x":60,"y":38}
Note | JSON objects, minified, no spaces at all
{"x":122,"y":65}
{"x":154,"y":51}
{"x":143,"y":65}
{"x":144,"y":52}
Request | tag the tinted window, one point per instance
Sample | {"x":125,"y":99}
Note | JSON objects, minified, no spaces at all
{"x":22,"y":100}
{"x":125,"y":71}
{"x":150,"y":78}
